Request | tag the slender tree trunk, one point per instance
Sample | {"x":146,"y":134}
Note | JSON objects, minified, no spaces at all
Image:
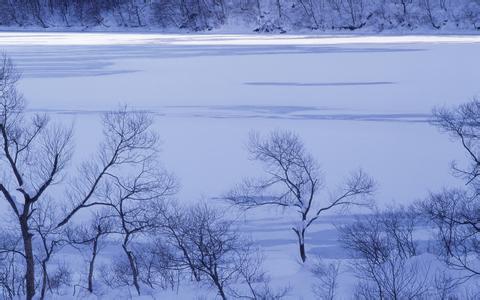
{"x":300,"y":232}
{"x":29,"y":258}
{"x":92,"y":265}
{"x":221,"y":292}
{"x":259,"y":8}
{"x":44,"y":280}
{"x":279,"y":10}
{"x":301,"y":243}
{"x":133,"y":267}
{"x":302,"y":251}
{"x":139,"y":20}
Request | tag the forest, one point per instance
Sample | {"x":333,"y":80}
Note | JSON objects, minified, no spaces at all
{"x":278,"y":16}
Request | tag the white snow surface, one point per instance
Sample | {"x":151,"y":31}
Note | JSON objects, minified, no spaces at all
{"x":357,"y":101}
{"x":112,"y":38}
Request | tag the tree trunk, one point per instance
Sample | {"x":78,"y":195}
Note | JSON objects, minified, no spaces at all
{"x":221,"y":292}
{"x":301,"y":237}
{"x":302,"y":251}
{"x":133,"y":267}
{"x":29,"y":258}
{"x":301,"y":241}
{"x":91,"y":266}
{"x":279,"y":9}
{"x":44,"y":280}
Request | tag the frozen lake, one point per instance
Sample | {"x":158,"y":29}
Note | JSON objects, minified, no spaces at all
{"x":356,"y":101}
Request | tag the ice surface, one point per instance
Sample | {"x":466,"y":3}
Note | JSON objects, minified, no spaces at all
{"x":358,"y":101}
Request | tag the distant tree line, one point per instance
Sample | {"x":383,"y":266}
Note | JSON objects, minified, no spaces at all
{"x":259,"y":15}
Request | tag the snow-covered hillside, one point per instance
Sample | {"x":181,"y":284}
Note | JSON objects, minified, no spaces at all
{"x":244,"y":16}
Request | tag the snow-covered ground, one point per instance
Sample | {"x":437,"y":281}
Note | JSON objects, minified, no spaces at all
{"x":357,"y":101}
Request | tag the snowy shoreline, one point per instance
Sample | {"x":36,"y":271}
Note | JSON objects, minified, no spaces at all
{"x":11,"y":38}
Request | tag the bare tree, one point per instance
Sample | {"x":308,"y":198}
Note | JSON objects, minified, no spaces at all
{"x":11,"y":265}
{"x":455,"y":212}
{"x":157,"y":264}
{"x":325,"y":288}
{"x":405,"y":5}
{"x":429,"y":9}
{"x":293,"y":181}
{"x":455,"y":216}
{"x":172,"y":226}
{"x":463,"y":124}
{"x":128,"y":143}
{"x":91,"y":235}
{"x":355,"y":10}
{"x":445,"y":286}
{"x":385,"y":258}
{"x":51,"y":241}
{"x":33,"y":155}
{"x":214,"y":247}
{"x":125,"y":178}
{"x":309,"y":8}
{"x":131,"y":199}
{"x":209,"y":245}
{"x":255,"y":279}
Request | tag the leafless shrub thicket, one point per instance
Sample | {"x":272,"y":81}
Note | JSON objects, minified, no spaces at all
{"x":11,"y":266}
{"x":454,"y":212}
{"x":454,"y":216}
{"x":209,"y":247}
{"x":327,"y":275}
{"x":293,"y":180}
{"x":386,"y":256}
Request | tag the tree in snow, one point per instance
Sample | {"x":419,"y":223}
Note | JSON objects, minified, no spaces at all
{"x":326,"y":284}
{"x":131,"y":199}
{"x":455,"y":212}
{"x":51,"y":241}
{"x":293,"y":181}
{"x":208,"y":244}
{"x":123,"y":175}
{"x":34,"y":154}
{"x":385,"y":255}
{"x":91,"y":235}
{"x":11,"y":265}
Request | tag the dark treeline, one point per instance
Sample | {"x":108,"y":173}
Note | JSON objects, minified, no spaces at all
{"x":257,"y":15}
